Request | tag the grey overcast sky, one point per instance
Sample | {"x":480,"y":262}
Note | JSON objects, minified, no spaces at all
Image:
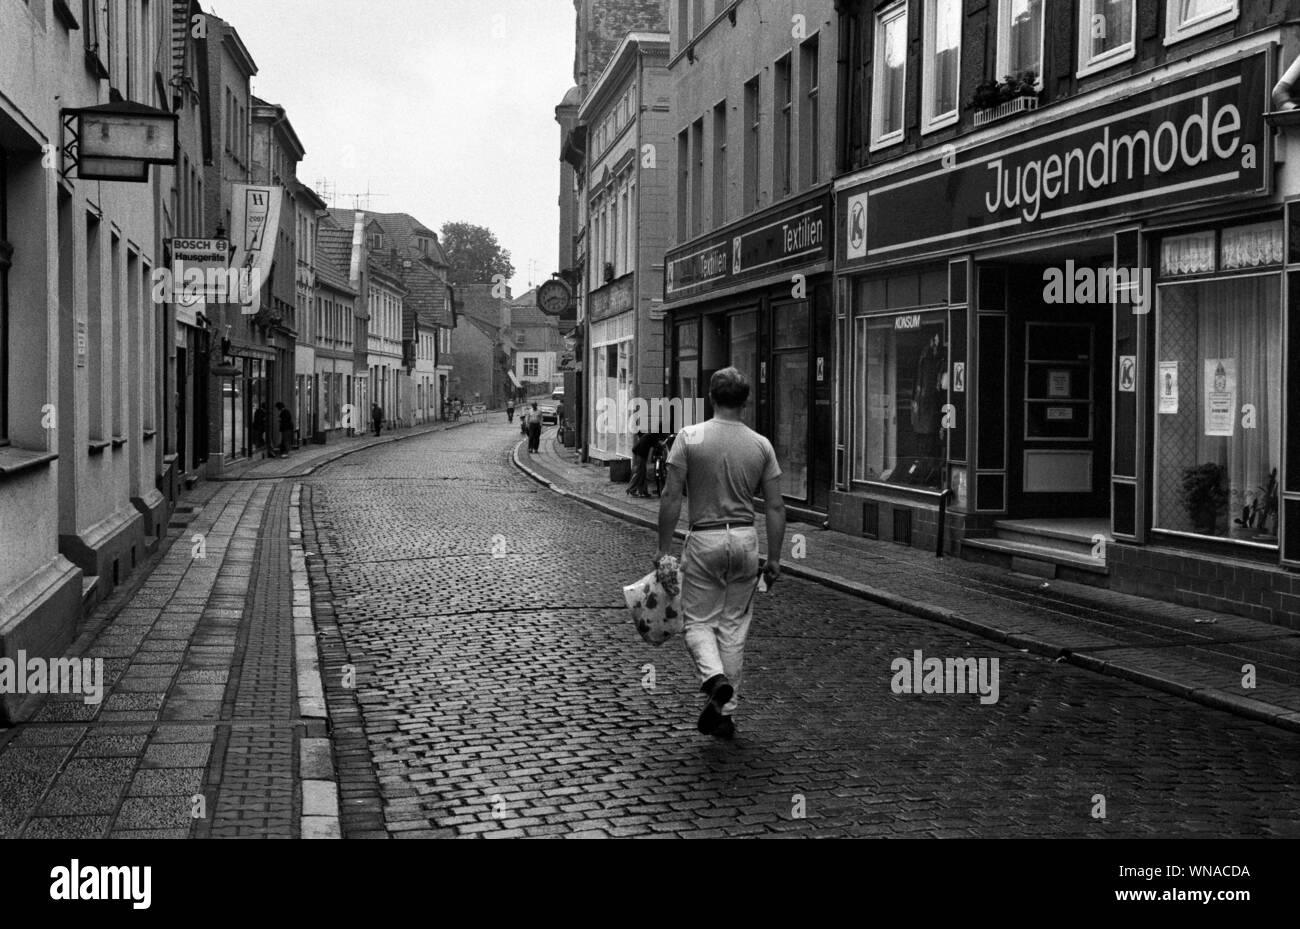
{"x":445,"y":107}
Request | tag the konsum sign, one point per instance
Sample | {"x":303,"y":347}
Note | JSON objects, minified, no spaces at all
{"x":1197,"y":138}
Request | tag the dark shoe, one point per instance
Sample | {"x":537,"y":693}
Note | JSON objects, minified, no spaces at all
{"x":726,"y":729}
{"x":720,"y":693}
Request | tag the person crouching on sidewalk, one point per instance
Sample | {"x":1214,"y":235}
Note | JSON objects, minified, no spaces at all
{"x":723,"y":465}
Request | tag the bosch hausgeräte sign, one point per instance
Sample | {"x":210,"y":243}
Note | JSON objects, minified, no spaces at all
{"x":1196,"y":138}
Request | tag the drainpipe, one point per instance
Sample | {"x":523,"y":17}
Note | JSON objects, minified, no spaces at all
{"x":1285,"y":94}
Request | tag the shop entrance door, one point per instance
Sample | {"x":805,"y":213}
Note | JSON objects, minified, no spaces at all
{"x":1058,"y":423}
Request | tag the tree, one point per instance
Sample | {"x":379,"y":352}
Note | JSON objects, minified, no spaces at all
{"x":474,"y":253}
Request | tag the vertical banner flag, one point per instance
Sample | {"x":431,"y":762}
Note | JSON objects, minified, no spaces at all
{"x":255,"y":217}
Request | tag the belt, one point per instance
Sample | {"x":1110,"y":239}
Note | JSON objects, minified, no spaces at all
{"x":733,"y":524}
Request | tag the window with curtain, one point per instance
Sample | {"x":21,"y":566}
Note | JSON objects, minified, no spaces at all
{"x":942,"y":63}
{"x":1106,"y":34}
{"x":1020,"y":38}
{"x":1219,"y":407}
{"x":889,"y":94}
{"x":1188,"y":17}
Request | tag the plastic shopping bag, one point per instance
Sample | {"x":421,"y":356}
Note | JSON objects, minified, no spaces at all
{"x":656,"y":602}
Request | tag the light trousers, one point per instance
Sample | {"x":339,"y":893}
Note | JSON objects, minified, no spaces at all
{"x":719,"y":575}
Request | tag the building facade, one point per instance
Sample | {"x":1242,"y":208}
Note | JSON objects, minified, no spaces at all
{"x":748,"y":276}
{"x":250,"y":344}
{"x":627,"y":184}
{"x":1065,"y":332}
{"x":82,"y":342}
{"x":336,"y":308}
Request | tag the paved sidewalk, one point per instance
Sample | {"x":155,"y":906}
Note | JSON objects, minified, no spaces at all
{"x":1200,"y":655}
{"x":303,"y":461}
{"x":207,"y":726}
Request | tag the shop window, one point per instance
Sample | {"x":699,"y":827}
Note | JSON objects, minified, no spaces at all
{"x":744,"y":357}
{"x":1106,"y":34}
{"x":6,"y":255}
{"x":688,"y":360}
{"x":1020,"y":39}
{"x":1219,"y":407}
{"x":900,"y":388}
{"x":1185,"y":18}
{"x":890,"y":76}
{"x":942,"y":65}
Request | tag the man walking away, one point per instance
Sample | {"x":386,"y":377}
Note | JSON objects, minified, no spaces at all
{"x":534,"y":430}
{"x":286,"y":429}
{"x":377,"y":417}
{"x":723,"y":464}
{"x":510,"y":411}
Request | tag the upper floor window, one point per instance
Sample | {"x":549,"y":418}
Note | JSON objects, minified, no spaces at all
{"x":888,"y":95}
{"x":942,"y":76}
{"x":1189,"y":17}
{"x":1106,"y":34}
{"x":1020,"y":39}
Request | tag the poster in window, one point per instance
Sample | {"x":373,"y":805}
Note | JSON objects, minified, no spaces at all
{"x":1168,"y":386}
{"x":1058,"y":384}
{"x":959,"y":377}
{"x":1220,"y":396}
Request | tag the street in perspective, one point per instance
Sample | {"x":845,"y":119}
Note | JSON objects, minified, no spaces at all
{"x":897,"y":445}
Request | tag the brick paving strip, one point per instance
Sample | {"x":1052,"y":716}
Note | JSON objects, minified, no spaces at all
{"x":1196,"y":654}
{"x":208,"y":726}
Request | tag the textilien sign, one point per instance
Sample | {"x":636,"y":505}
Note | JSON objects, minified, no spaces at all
{"x":787,"y":237}
{"x":1196,"y":138}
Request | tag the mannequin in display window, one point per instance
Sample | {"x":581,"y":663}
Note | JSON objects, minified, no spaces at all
{"x":929,"y":392}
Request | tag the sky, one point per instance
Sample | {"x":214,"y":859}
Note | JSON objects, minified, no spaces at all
{"x":444,"y":109}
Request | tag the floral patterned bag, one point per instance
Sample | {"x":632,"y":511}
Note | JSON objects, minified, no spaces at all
{"x":656,"y":602}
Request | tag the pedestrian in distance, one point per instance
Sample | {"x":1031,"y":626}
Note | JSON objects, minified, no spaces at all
{"x":261,"y":419}
{"x":377,"y":417}
{"x":510,"y":411}
{"x":286,"y":429}
{"x":645,"y":441}
{"x":534,"y":430}
{"x":723,"y":465}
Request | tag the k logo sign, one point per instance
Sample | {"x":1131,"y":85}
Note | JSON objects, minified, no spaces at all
{"x":856,"y":232}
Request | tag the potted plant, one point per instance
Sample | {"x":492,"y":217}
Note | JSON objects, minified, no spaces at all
{"x":993,"y":93}
{"x":1205,"y":495}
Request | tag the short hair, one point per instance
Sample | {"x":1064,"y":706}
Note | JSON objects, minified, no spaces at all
{"x":729,"y":388}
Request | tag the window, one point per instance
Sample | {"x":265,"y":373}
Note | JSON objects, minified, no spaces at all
{"x":753,"y":125}
{"x":683,"y":23}
{"x":697,"y":177}
{"x":720,"y":164}
{"x":942,"y":77}
{"x":6,"y":256}
{"x":1020,"y":39}
{"x":683,"y":184}
{"x":1219,"y":346}
{"x":1106,"y":34}
{"x":530,"y":367}
{"x":902,"y":369}
{"x":1188,"y":17}
{"x":782,"y":106}
{"x":890,"y":76}
{"x":810,"y":116}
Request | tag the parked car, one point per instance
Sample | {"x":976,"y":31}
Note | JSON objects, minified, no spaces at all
{"x":558,"y":394}
{"x":549,"y":414}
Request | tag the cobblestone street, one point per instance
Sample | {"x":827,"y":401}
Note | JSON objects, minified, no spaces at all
{"x":499,"y":689}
